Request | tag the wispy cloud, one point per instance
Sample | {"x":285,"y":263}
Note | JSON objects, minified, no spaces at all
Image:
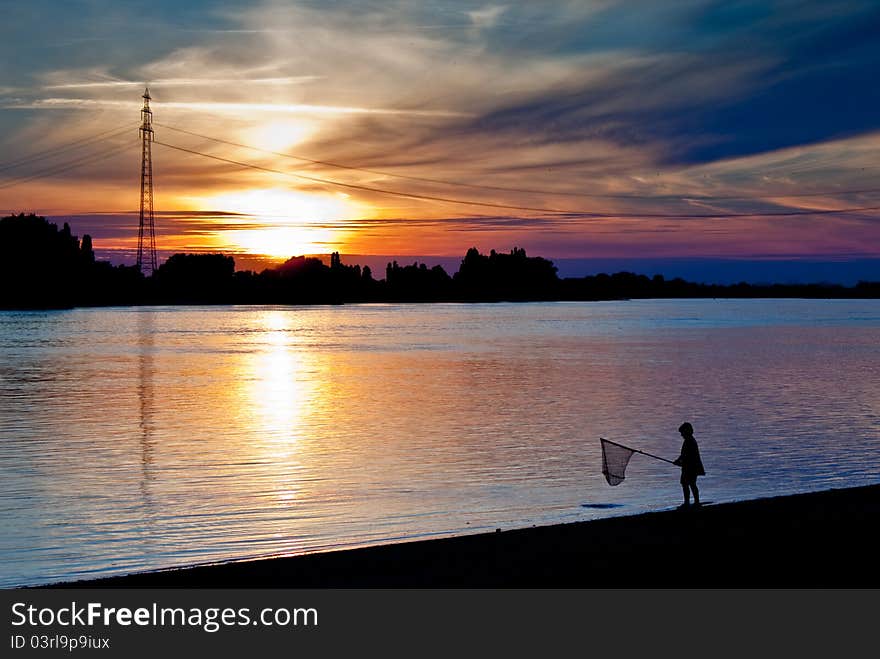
{"x":181,"y":82}
{"x":487,"y":17}
{"x":674,"y":108}
{"x":241,"y":109}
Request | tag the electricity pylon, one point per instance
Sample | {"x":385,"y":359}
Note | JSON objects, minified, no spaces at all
{"x":146,"y":256}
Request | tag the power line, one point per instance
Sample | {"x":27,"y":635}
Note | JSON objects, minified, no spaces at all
{"x":56,"y":150}
{"x":366,"y":170}
{"x":354,"y":186}
{"x":496,"y":188}
{"x":553,"y":211}
{"x":63,"y":167}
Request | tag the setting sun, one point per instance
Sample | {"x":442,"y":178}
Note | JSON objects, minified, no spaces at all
{"x":283,"y":242}
{"x":282,"y":223}
{"x":285,"y":205}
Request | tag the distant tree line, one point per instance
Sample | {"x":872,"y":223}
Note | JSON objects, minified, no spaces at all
{"x":44,"y":267}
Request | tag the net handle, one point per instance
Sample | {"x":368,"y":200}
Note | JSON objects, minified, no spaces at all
{"x":635,"y":450}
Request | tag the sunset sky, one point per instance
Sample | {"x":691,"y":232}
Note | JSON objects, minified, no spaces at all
{"x":608,"y":129}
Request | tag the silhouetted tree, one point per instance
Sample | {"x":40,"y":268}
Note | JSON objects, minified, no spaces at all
{"x":417,"y":282}
{"x":42,"y":266}
{"x":195,"y":278}
{"x":513,"y":276}
{"x":39,"y":265}
{"x":88,"y":254}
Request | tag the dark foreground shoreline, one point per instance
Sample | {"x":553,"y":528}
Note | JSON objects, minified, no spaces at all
{"x":820,"y":539}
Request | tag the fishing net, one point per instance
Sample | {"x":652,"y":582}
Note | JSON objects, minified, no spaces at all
{"x":614,"y":460}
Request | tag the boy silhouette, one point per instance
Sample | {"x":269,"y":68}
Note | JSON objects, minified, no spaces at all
{"x":690,"y":463}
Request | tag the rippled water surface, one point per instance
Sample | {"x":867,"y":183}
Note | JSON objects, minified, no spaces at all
{"x":142,"y":438}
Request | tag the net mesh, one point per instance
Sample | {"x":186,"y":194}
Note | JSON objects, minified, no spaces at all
{"x":614,"y":460}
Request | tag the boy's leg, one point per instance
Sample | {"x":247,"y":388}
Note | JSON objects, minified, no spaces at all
{"x":696,"y":492}
{"x":687,"y":495}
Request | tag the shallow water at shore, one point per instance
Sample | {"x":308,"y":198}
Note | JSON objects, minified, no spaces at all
{"x":147,"y":437}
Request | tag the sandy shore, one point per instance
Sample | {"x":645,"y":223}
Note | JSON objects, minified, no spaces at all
{"x":817,"y":539}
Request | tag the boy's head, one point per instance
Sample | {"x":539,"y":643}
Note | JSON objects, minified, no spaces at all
{"x":686,"y":429}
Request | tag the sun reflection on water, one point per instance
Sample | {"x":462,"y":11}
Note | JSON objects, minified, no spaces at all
{"x":279,"y":391}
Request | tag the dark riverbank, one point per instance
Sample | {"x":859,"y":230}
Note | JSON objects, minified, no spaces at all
{"x":822,"y":539}
{"x":68,"y":275}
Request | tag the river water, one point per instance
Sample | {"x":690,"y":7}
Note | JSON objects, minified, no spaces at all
{"x":138,"y":438}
